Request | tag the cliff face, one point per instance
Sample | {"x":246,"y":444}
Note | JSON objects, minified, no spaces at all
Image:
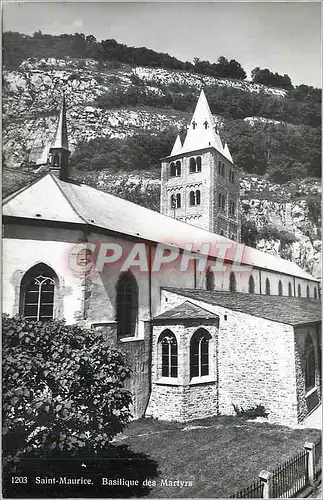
{"x":30,"y":103}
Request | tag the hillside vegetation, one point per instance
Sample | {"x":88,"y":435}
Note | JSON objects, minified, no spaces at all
{"x":125,"y":108}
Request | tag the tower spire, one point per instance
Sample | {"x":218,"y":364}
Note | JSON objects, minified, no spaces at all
{"x":59,"y":149}
{"x":201,"y":131}
{"x":177,"y":146}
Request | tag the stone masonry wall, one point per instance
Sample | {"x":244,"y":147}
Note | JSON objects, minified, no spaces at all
{"x":256,"y":362}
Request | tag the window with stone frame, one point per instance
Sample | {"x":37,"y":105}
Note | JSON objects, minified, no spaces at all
{"x":168,"y":354}
{"x":195,"y":197}
{"x":209,"y":280}
{"x":195,"y":164}
{"x":267,"y":286}
{"x":37,"y":293}
{"x":199,"y":353}
{"x":175,"y":201}
{"x":290,"y":290}
{"x":251,"y":285}
{"x":127,"y":305}
{"x":232,"y":282}
{"x":280,"y":288}
{"x":299,"y":290}
{"x":308,"y":292}
{"x":309,"y":364}
{"x":175,"y":169}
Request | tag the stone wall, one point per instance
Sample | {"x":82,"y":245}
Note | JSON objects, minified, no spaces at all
{"x":306,"y":400}
{"x":183,"y":398}
{"x":256,"y":362}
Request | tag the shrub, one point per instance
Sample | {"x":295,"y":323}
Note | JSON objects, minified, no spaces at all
{"x":252,"y":412}
{"x":63,"y":388}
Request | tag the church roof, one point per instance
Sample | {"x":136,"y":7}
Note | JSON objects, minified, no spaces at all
{"x":61,"y":140}
{"x":227,"y":153}
{"x":52,"y":199}
{"x":289,"y":310}
{"x":186,"y":310}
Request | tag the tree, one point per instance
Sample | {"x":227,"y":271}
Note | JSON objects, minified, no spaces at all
{"x":63,"y":388}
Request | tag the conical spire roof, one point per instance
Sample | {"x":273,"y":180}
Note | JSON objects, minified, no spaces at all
{"x":226,"y":153}
{"x":177,"y":146}
{"x":61,"y":140}
{"x":201,"y":131}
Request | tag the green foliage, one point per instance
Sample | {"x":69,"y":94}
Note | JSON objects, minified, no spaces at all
{"x":63,"y":388}
{"x":266,"y":77}
{"x":251,"y":413}
{"x":139,"y":152}
{"x":250,"y":234}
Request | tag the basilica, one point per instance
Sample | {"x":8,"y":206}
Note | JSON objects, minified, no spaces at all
{"x":215,"y":327}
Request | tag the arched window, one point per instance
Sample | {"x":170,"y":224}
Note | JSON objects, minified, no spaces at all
{"x":299,"y":290}
{"x":290,"y":290}
{"x":127,"y":305}
{"x":309,"y":364}
{"x":280,"y":288}
{"x":172,"y":169}
{"x":315,"y":293}
{"x":175,"y":200}
{"x":223,"y":202}
{"x":308,"y":292}
{"x":251,"y":285}
{"x":195,"y":197}
{"x":232,"y":283}
{"x":178,"y":169}
{"x":192,"y":165}
{"x":37,"y":293}
{"x":222,"y":170}
{"x":199,"y":353}
{"x":169,"y":354}
{"x":209,"y":279}
{"x":220,"y":200}
{"x":199,"y":163}
{"x":267,"y":286}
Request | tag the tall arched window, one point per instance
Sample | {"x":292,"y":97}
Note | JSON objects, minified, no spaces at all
{"x":199,"y":163}
{"x":280,"y":288}
{"x":315,"y":293}
{"x":175,"y":200}
{"x":169,"y":354}
{"x":299,"y":290}
{"x":290,"y":290}
{"x":251,"y":285}
{"x":127,"y":305}
{"x":309,"y":364}
{"x":178,"y":169}
{"x":192,"y":165}
{"x":172,"y":169}
{"x":308,"y":292}
{"x":195,"y":197}
{"x":37,"y":293}
{"x":209,"y":279}
{"x":199,"y":353}
{"x":267,"y":286}
{"x":232,"y":283}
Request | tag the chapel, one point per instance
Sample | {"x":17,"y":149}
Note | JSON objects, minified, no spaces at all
{"x":214,"y":327}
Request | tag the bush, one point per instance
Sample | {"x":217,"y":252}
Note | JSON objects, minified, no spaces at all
{"x":251,"y":413}
{"x":63,"y":388}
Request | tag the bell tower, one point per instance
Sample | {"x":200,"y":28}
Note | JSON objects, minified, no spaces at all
{"x":199,"y":181}
{"x":59,"y":152}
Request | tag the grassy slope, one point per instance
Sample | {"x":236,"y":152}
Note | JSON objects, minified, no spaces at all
{"x":219,"y":459}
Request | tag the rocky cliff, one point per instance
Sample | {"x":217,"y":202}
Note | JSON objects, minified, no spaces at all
{"x":282,"y":219}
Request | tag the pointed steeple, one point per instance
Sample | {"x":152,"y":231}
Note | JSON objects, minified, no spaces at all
{"x":177,"y":146}
{"x":59,"y":149}
{"x":226,"y":152}
{"x":202,"y":131}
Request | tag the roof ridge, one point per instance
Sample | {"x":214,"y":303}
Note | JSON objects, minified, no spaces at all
{"x":57,"y":182}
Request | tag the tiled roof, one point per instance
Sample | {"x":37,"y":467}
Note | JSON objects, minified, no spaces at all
{"x":289,"y":310}
{"x":187,"y":310}
{"x":52,"y":199}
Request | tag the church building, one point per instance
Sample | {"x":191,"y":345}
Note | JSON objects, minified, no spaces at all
{"x":207,"y":324}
